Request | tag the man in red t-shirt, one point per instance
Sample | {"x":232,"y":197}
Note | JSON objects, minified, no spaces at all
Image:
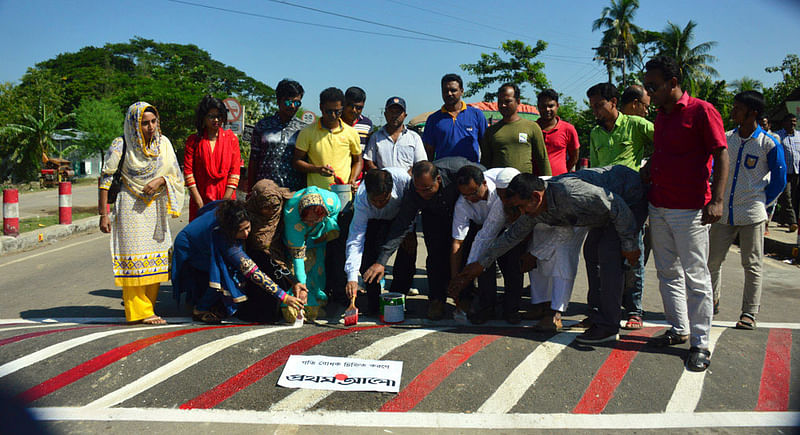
{"x":560,"y":137}
{"x":688,"y":134}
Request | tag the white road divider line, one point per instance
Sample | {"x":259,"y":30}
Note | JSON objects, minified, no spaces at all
{"x":48,"y":325}
{"x":525,"y":374}
{"x":51,"y":250}
{"x":50,"y":351}
{"x":436,"y":421}
{"x":178,"y":365}
{"x":689,"y":387}
{"x":302,"y":400}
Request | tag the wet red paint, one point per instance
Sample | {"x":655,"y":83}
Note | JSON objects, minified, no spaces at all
{"x":608,"y":377}
{"x":98,"y":362}
{"x":257,"y":371}
{"x":773,"y":394}
{"x":434,"y":374}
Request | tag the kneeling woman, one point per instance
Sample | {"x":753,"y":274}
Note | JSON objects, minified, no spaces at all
{"x":310,"y":223}
{"x":210,"y":265}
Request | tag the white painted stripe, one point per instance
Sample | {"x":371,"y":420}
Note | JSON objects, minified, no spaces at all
{"x":65,"y":200}
{"x":51,"y":250}
{"x":731,"y":324}
{"x":302,"y":400}
{"x":50,"y":325}
{"x":689,"y":387}
{"x":50,"y":351}
{"x":89,"y":320}
{"x":10,"y":210}
{"x":525,"y":374}
{"x":428,"y":420}
{"x":178,"y":365}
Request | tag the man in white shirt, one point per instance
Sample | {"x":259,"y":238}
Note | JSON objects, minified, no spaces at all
{"x":394,"y":145}
{"x":479,"y":195}
{"x":376,"y":204}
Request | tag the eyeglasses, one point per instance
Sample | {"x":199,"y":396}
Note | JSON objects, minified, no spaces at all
{"x":211,"y":117}
{"x":650,"y":88}
{"x":358,"y":107}
{"x":294,"y":103}
{"x":333,"y":112}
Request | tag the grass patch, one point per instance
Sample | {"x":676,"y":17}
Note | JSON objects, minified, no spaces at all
{"x":37,"y":223}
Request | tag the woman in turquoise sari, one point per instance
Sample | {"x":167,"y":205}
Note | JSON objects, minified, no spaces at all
{"x":310,"y":223}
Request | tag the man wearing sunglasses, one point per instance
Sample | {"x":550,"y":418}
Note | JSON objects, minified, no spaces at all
{"x":274,"y":138}
{"x":329,"y":148}
{"x":354,"y":99}
{"x":689,"y":137}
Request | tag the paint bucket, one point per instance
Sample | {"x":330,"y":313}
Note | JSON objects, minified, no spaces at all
{"x":342,"y":191}
{"x":393,"y":306}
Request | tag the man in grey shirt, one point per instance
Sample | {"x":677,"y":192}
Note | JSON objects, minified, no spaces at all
{"x":611,"y":201}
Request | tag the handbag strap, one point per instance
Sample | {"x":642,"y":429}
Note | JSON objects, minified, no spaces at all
{"x":122,"y":159}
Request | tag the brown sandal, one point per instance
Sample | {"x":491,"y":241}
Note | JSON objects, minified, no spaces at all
{"x":206,"y":317}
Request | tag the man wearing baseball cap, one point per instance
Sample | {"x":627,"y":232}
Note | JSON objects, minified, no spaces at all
{"x":394,"y":145}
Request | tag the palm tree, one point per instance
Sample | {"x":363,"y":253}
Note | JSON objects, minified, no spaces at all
{"x":694,"y":62}
{"x":619,"y":35}
{"x":35,"y":136}
{"x":746,"y":84}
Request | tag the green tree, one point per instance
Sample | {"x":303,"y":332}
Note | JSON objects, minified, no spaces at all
{"x":694,"y":61}
{"x":99,"y":121}
{"x":790,"y":70}
{"x":520,"y":68}
{"x":34,"y":139}
{"x":618,"y":45}
{"x":746,"y":84}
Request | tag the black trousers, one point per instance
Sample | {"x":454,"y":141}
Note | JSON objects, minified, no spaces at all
{"x":403,"y":269}
{"x":512,"y":279}
{"x":437,"y":232}
{"x":260,"y":306}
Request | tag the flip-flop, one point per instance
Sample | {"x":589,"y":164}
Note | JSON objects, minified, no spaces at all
{"x":698,"y":359}
{"x":634,"y":322}
{"x":154,"y":320}
{"x":746,"y":321}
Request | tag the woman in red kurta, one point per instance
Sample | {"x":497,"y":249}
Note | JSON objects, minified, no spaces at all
{"x":212,"y":158}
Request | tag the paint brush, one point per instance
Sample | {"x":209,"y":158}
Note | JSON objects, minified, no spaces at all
{"x":351,"y":315}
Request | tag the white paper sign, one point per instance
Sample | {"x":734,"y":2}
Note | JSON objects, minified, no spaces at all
{"x":318,"y":372}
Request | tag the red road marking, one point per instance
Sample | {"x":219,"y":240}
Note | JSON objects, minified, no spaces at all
{"x":610,"y":374}
{"x":40,"y":333}
{"x":103,"y":360}
{"x":434,"y":374}
{"x":773,"y":394}
{"x":258,"y":370}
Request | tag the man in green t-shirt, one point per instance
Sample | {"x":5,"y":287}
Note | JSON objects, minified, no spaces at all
{"x":620,"y":139}
{"x":514,"y":141}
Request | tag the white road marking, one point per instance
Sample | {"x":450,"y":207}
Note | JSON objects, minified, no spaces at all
{"x":50,"y":251}
{"x":50,"y":351}
{"x":302,"y":400}
{"x":49,"y":325}
{"x":60,"y":321}
{"x":178,"y":365}
{"x":689,"y":387}
{"x":731,"y":324}
{"x":429,"y":420}
{"x":525,"y":374}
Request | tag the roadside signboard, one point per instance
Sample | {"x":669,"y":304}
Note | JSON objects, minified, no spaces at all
{"x":235,"y":115}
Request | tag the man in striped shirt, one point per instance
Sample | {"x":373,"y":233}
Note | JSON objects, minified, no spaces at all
{"x":354,"y":99}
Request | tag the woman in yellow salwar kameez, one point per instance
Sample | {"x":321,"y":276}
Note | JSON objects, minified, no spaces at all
{"x":152,"y":190}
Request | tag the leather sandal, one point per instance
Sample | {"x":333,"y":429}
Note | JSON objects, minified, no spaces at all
{"x":206,"y":317}
{"x":698,"y":359}
{"x":746,"y":321}
{"x":634,"y":322}
{"x":669,"y":338}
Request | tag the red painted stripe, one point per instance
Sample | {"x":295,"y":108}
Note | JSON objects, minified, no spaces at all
{"x":610,"y":374}
{"x":17,"y":338}
{"x":773,"y":394}
{"x":258,"y":370}
{"x":434,"y":374}
{"x":103,"y":360}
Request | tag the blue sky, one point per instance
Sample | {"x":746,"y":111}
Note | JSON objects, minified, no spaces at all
{"x":749,"y":38}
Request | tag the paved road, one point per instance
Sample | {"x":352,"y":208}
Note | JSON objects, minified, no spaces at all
{"x":86,"y":374}
{"x":45,"y":202}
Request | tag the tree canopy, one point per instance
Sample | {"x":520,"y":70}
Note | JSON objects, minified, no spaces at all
{"x":520,"y":68}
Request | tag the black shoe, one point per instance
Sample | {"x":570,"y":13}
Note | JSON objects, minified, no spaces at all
{"x":596,"y":335}
{"x":478,"y":318}
{"x":669,"y":338}
{"x":513,"y":318}
{"x":698,"y":359}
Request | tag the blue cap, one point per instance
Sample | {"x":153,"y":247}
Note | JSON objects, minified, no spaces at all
{"x":396,"y":100}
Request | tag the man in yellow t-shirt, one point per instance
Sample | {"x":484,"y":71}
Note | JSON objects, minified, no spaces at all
{"x":328,"y":147}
